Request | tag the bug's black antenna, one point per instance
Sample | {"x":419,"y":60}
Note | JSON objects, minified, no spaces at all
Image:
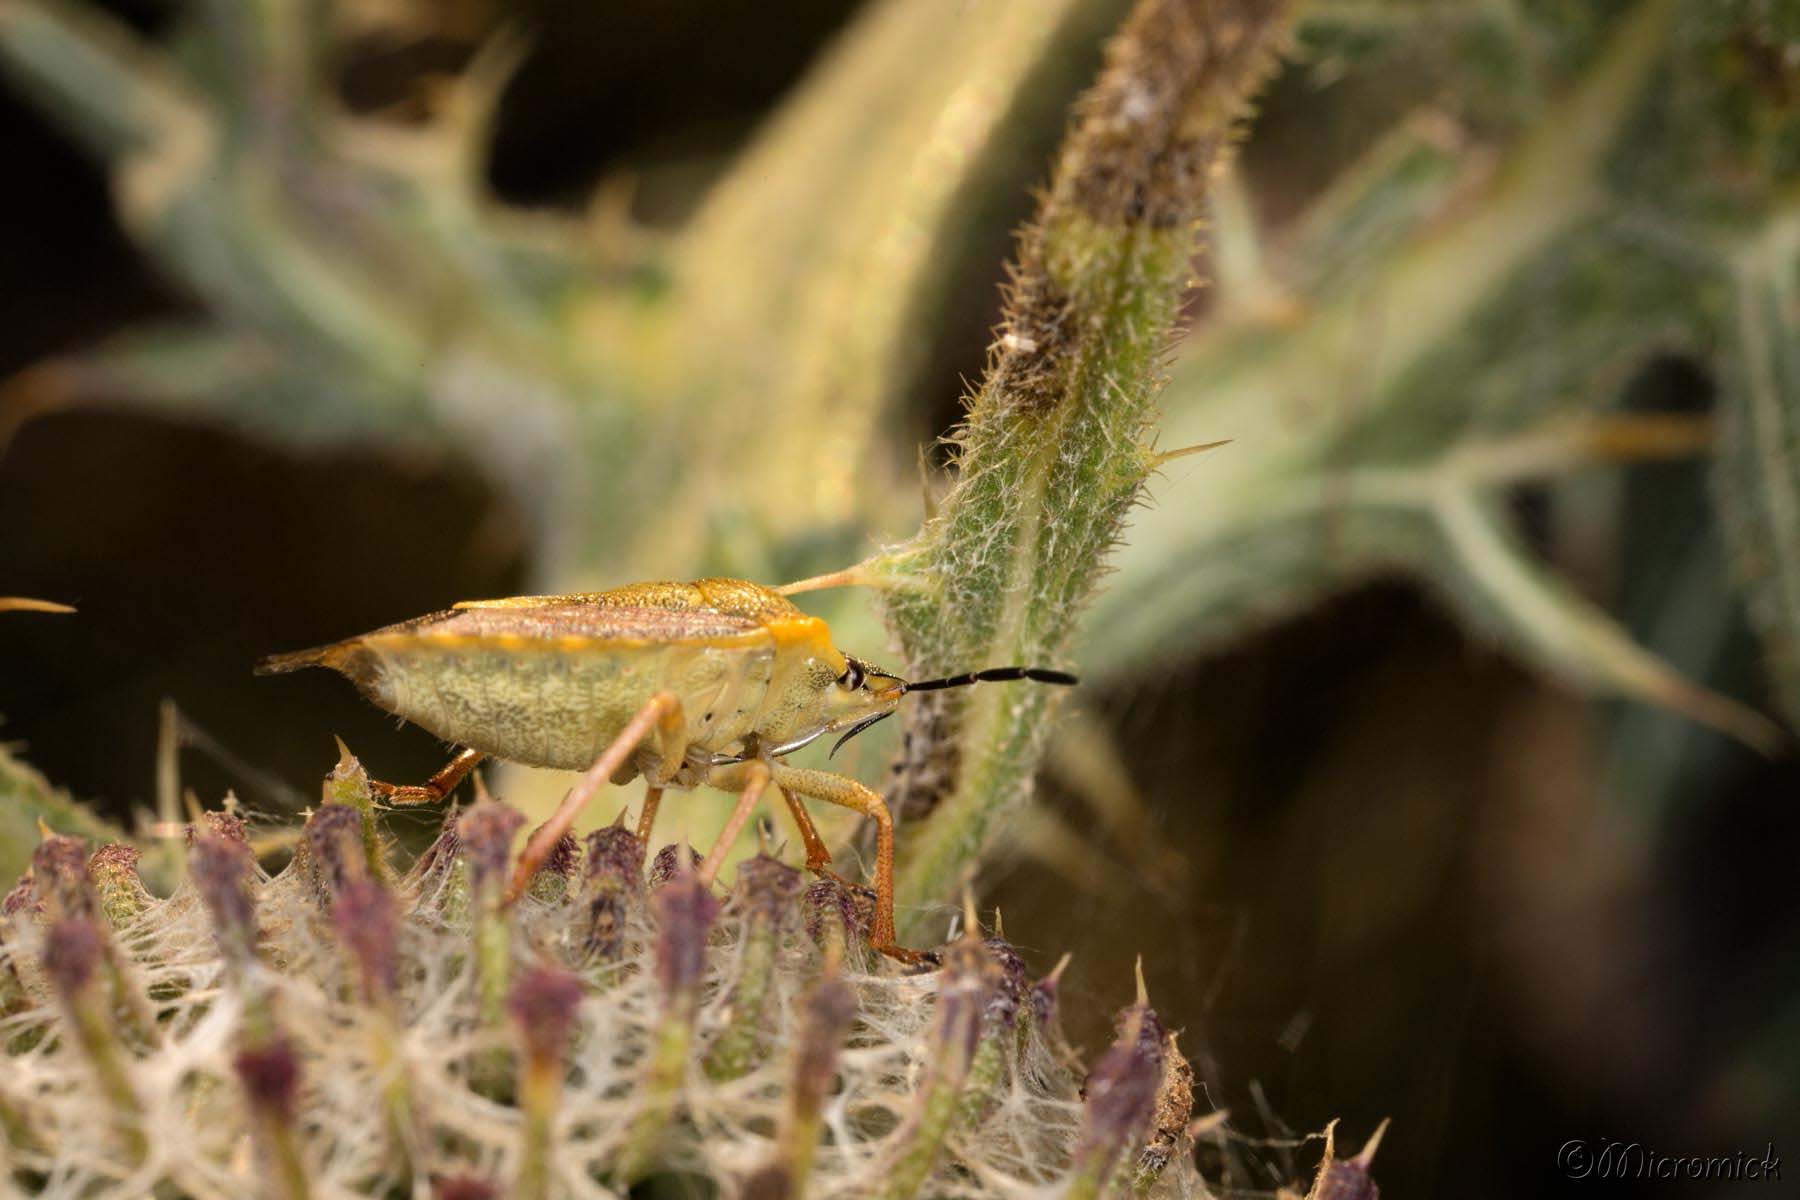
{"x":992,"y":675}
{"x":858,"y":728}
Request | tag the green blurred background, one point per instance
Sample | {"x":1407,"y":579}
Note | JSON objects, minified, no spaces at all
{"x":1380,"y":868}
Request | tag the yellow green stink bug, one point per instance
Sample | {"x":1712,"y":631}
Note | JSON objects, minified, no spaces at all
{"x":712,"y":682}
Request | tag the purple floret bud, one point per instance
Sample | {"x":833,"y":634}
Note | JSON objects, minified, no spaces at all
{"x":270,"y":1073}
{"x":1347,"y":1180}
{"x":334,"y":834}
{"x":368,"y":924}
{"x":59,"y":865}
{"x":464,"y":1187}
{"x":1121,"y":1092}
{"x":685,"y":911}
{"x":72,"y":952}
{"x":485,"y":834}
{"x":221,"y":871}
{"x":545,"y":1003}
{"x":765,"y":890}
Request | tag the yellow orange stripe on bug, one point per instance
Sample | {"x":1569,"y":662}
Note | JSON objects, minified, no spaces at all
{"x":710,"y":683}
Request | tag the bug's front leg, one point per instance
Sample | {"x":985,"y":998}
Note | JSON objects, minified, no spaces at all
{"x":434,"y":789}
{"x":836,"y":789}
{"x":818,"y":856}
{"x":661,"y":709}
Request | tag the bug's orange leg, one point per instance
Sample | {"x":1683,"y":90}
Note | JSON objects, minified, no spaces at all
{"x":836,"y":789}
{"x":433,"y":789}
{"x":647,"y":815}
{"x":755,"y":776}
{"x":818,"y":857}
{"x":655,"y":710}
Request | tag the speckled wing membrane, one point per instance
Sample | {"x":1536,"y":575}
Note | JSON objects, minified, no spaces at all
{"x":560,"y":622}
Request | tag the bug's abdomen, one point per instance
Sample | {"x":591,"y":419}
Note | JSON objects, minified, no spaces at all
{"x":550,"y":706}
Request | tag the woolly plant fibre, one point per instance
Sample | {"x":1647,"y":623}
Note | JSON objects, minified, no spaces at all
{"x":341,"y":1029}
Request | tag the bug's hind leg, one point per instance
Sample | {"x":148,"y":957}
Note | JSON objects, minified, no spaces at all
{"x":836,"y":789}
{"x":433,"y":789}
{"x":755,"y":778}
{"x":662,"y":710}
{"x":647,"y":815}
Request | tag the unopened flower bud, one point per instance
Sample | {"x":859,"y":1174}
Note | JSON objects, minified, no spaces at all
{"x":220,"y":824}
{"x":685,"y":910}
{"x":270,"y":1073}
{"x":59,"y":866}
{"x":113,"y":869}
{"x":613,"y":884}
{"x":485,"y":834}
{"x":221,"y":870}
{"x":334,"y":835}
{"x":545,"y":1003}
{"x":765,"y":890}
{"x":464,"y":1187}
{"x":367,"y":923}
{"x":667,"y":864}
{"x":72,"y":952}
{"x":1121,"y":1091}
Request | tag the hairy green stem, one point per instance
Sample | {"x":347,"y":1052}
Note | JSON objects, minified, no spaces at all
{"x":1053,"y":452}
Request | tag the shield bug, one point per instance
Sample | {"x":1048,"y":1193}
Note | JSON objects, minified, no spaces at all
{"x":713,"y":682}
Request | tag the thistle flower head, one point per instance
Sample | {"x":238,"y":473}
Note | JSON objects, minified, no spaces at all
{"x":719,"y":1040}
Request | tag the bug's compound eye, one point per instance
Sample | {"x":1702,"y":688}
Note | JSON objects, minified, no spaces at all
{"x":852,"y":678}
